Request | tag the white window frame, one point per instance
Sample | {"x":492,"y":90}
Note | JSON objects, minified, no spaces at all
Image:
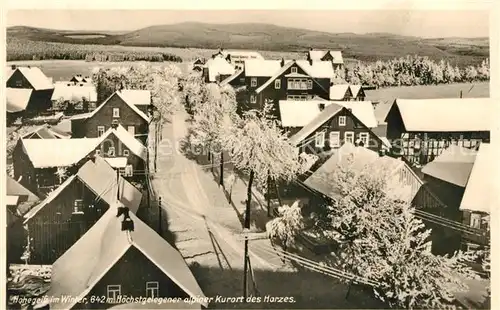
{"x":98,"y":152}
{"x":330,"y":139}
{"x":342,"y":120}
{"x":253,"y":99}
{"x":309,"y":84}
{"x":294,"y":69}
{"x":116,"y":112}
{"x":253,"y":82}
{"x":126,"y":152}
{"x":100,"y":130}
{"x":319,"y":139}
{"x":122,"y":171}
{"x":277,"y":84}
{"x":114,"y":289}
{"x":77,"y":205}
{"x":475,"y":218}
{"x":351,"y":135}
{"x":366,"y":136}
{"x":19,"y":83}
{"x":129,"y":171}
{"x":128,"y":129}
{"x":152,"y":287}
{"x":111,"y":151}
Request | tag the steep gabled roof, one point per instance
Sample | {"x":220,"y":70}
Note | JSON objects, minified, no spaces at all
{"x":36,"y":78}
{"x":362,"y":110}
{"x":78,"y":270}
{"x":339,"y":91}
{"x":262,"y":67}
{"x":218,"y":66}
{"x":17,"y":99}
{"x":481,"y":190}
{"x":319,"y":55}
{"x":356,"y":90}
{"x":100,"y":178}
{"x":297,"y":113}
{"x":130,"y":141}
{"x":454,"y":165}
{"x":445,"y":115}
{"x":45,"y":132}
{"x":26,"y":199}
{"x":125,"y":99}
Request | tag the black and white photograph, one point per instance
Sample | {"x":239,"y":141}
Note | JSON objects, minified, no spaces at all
{"x":249,"y":158}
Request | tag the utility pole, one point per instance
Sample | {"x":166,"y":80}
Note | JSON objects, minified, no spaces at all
{"x":159,"y":216}
{"x":460,"y":94}
{"x":247,"y":227}
{"x":118,"y":184}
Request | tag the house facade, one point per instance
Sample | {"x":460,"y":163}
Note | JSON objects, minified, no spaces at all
{"x":238,"y":57}
{"x":420,"y":130}
{"x":296,"y":80}
{"x":40,"y":85}
{"x":117,"y":109}
{"x":74,"y":98}
{"x":68,"y":212}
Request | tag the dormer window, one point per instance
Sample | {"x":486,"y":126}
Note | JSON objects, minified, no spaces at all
{"x":116,"y":112}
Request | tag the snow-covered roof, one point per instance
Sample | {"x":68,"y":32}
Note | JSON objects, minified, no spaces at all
{"x":68,"y":91}
{"x":446,"y":115}
{"x":318,"y":55}
{"x":363,"y":110}
{"x":339,"y":91}
{"x":36,"y":78}
{"x":218,"y":66}
{"x":17,"y":99}
{"x":117,"y":162}
{"x":137,"y":96}
{"x":297,"y":113}
{"x":261,"y":67}
{"x":480,"y":192}
{"x":317,"y":69}
{"x":129,"y":141}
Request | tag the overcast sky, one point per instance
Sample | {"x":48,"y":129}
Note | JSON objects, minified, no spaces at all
{"x":404,"y":22}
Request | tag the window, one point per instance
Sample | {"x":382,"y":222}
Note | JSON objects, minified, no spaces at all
{"x":320,"y":139}
{"x":253,"y":99}
{"x":152,"y":289}
{"x":100,"y":130}
{"x":129,"y":171}
{"x":296,"y":97}
{"x":114,"y":291}
{"x":334,"y":139}
{"x":116,"y":112}
{"x":242,"y":80}
{"x":78,"y":206}
{"x":98,"y":152}
{"x":309,"y":84}
{"x":111,"y":151}
{"x":131,"y":130}
{"x":475,"y":220}
{"x":126,"y":153}
{"x":342,"y":120}
{"x":19,"y":83}
{"x":349,"y":137}
{"x":253,"y":82}
{"x":365,"y":138}
{"x":297,"y":83}
{"x":122,"y":171}
{"x":294,"y":69}
{"x":277,"y":84}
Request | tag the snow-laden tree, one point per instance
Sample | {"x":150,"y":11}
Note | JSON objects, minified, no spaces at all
{"x":286,"y":227}
{"x":380,"y":239}
{"x":193,"y":89}
{"x":61,"y":173}
{"x":258,"y":147}
{"x":215,"y":119}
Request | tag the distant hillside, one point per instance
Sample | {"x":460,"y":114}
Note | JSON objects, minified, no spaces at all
{"x":266,"y":37}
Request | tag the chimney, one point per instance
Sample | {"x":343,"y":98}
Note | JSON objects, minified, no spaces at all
{"x":114,"y":124}
{"x":321,"y":106}
{"x":331,"y":83}
{"x":310,"y":61}
{"x":282,"y":63}
{"x":310,"y":49}
{"x":228,"y":57}
{"x":381,"y":152}
{"x":29,"y":67}
{"x":13,"y":67}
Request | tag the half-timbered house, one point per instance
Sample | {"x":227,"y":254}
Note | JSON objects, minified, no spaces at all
{"x":421,"y":129}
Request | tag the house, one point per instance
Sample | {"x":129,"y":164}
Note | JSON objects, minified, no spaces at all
{"x":80,"y":79}
{"x":478,"y":199}
{"x":337,"y":122}
{"x":46,"y":132}
{"x":294,"y":80}
{"x":421,"y":129}
{"x":235,"y":80}
{"x":237,"y":57}
{"x":44,"y":163}
{"x":41,"y":87}
{"x":69,"y":211}
{"x":216,"y":69}
{"x":119,"y":108}
{"x":335,"y":57}
{"x":345,"y":92}
{"x":141,"y":98}
{"x":19,"y":200}
{"x":108,"y":262}
{"x":74,"y":98}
